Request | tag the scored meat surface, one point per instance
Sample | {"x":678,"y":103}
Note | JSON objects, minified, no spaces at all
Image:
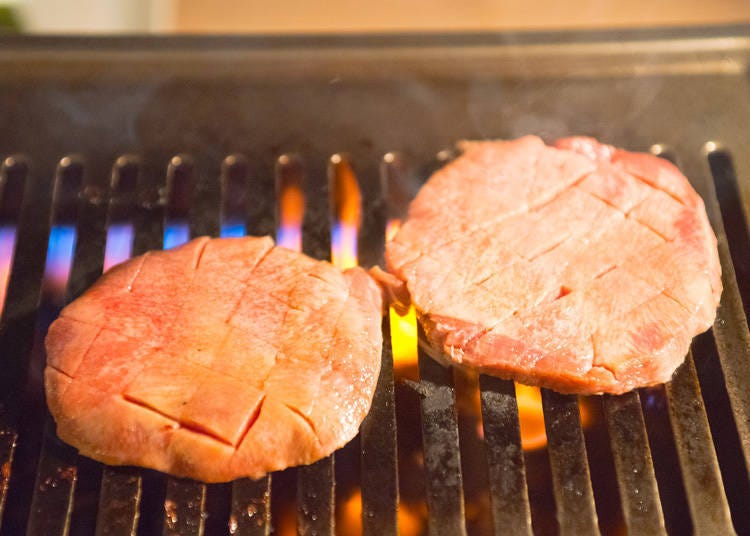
{"x":216,"y":360}
{"x":581,"y":267}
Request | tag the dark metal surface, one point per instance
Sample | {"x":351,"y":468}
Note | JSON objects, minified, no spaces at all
{"x":251,"y":507}
{"x":8,"y":431}
{"x":316,"y":488}
{"x":119,"y":502}
{"x":700,"y":469}
{"x":17,"y":324}
{"x":316,"y":483}
{"x":507,"y":473}
{"x":730,"y":329}
{"x":218,"y":99}
{"x":576,"y":513}
{"x":57,"y":471}
{"x":636,"y":480}
{"x":442,"y":455}
{"x":121,"y":487}
{"x":379,"y":452}
{"x":378,"y":431}
{"x":184,"y":507}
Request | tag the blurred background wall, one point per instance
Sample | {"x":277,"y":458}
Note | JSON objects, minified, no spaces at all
{"x":298,"y":16}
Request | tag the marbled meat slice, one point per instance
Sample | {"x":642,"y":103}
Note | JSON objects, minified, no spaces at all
{"x":216,"y":360}
{"x":581,"y":267}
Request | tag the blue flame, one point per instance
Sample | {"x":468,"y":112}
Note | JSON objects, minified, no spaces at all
{"x":290,"y":237}
{"x":62,"y":239}
{"x":233,"y":230}
{"x":119,"y":245}
{"x":7,"y":243}
{"x":175,"y":234}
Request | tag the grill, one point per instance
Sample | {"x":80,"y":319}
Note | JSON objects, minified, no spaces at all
{"x":206,"y":130}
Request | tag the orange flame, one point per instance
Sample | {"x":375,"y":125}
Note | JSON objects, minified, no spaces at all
{"x":291,"y":212}
{"x":403,"y":328}
{"x":404,"y":342}
{"x":347,"y":202}
{"x":349,"y":521}
{"x":531,"y":417}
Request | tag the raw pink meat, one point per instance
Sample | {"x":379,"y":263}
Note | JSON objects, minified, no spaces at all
{"x":216,"y":360}
{"x":581,"y":267}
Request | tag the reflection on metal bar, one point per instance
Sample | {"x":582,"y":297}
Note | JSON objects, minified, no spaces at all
{"x":576,"y":513}
{"x":507,"y":474}
{"x":20,"y":314}
{"x":379,"y":452}
{"x":442,"y":455}
{"x":731,"y":326}
{"x":695,"y":449}
{"x":635,"y":471}
{"x":251,"y":507}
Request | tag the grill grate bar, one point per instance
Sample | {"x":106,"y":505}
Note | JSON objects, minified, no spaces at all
{"x":316,"y":483}
{"x":250,"y":510}
{"x":700,"y":468}
{"x":251,"y":507}
{"x":57,"y":472}
{"x":8,"y":432}
{"x":185,"y":501}
{"x":442,"y":455}
{"x":25,"y":280}
{"x":17,"y":324}
{"x":571,"y":480}
{"x":507,"y":473}
{"x":184,"y":507}
{"x":119,"y":500}
{"x":636,"y":479}
{"x":730,"y":328}
{"x":121,"y":487}
{"x":379,"y":451}
{"x":8,"y":441}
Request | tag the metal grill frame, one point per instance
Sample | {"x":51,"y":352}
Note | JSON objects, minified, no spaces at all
{"x":128,"y":120}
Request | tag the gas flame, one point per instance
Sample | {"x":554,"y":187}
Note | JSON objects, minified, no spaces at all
{"x":403,"y":327}
{"x":59,"y":257}
{"x":291,"y":212}
{"x":119,"y":245}
{"x":404,"y":342}
{"x":347,"y":205}
{"x":176,"y":234}
{"x":410,"y":517}
{"x":531,"y":417}
{"x":291,"y":202}
{"x":7,"y":243}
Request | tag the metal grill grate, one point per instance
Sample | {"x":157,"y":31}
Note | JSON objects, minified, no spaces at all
{"x":691,"y":88}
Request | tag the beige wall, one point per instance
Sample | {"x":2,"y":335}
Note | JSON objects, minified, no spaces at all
{"x":394,"y":15}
